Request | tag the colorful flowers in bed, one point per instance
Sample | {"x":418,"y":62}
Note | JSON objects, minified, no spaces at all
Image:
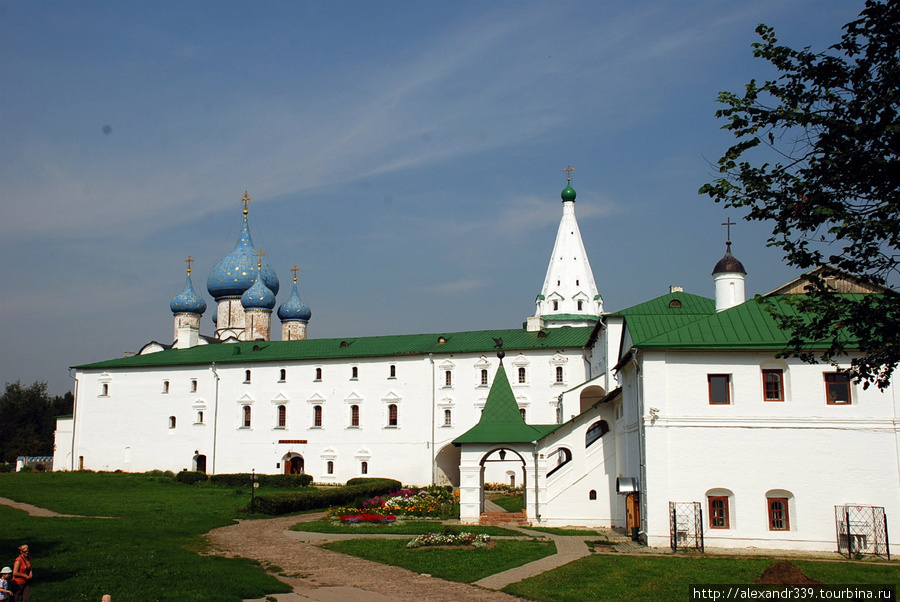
{"x":476,"y":540}
{"x":365,"y":517}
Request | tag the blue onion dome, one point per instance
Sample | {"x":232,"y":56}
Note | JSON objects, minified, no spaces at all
{"x":215,"y":315}
{"x":237,"y":271}
{"x":568,"y":193}
{"x":258,"y":296}
{"x":294,"y":309}
{"x":188,"y":301}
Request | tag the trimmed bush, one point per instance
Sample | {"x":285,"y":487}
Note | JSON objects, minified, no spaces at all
{"x":7,"y":467}
{"x":189,"y":477}
{"x":313,"y":499}
{"x":242,"y":479}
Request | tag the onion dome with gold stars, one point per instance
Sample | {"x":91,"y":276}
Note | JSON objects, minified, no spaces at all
{"x":188,"y":301}
{"x":238,"y":270}
{"x":258,"y":296}
{"x":294,"y":309}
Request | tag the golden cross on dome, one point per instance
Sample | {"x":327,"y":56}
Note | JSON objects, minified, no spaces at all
{"x":569,"y":169}
{"x":246,"y":201}
{"x":295,"y":269}
{"x":259,"y":256}
{"x":189,"y":261}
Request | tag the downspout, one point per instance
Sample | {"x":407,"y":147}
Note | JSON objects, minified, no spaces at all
{"x":433,"y":401}
{"x":639,"y":385}
{"x":537,"y":503}
{"x":74,"y":416}
{"x":215,"y":418}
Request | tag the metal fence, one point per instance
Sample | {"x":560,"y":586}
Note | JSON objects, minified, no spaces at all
{"x":685,"y":526}
{"x":861,"y":530}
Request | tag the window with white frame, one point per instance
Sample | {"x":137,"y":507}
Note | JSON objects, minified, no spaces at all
{"x":282,"y":416}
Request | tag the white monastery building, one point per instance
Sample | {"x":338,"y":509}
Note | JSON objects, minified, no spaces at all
{"x":672,"y":419}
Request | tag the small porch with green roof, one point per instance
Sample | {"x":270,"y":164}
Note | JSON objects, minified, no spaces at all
{"x":501,"y":429}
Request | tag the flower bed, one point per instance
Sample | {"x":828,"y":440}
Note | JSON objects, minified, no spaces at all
{"x":365,"y":517}
{"x":476,"y":540}
{"x":432,"y":502}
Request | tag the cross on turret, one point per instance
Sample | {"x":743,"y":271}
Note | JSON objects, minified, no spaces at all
{"x":294,"y":270}
{"x":569,"y":169}
{"x":728,"y":224}
{"x":189,"y":261}
{"x":246,"y":201}
{"x":259,"y":255}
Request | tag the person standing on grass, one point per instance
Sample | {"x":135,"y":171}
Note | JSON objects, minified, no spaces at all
{"x":5,"y":574}
{"x":22,"y":575}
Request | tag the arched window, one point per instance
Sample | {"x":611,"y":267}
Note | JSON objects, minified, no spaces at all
{"x":484,"y":378}
{"x":193,"y":385}
{"x":354,"y":415}
{"x":364,"y":467}
{"x":561,"y":457}
{"x":393,"y":372}
{"x":555,"y":305}
{"x":282,"y":375}
{"x":171,"y":422}
{"x":448,"y":418}
{"x":719,"y":509}
{"x":448,"y":378}
{"x":778,"y":506}
{"x":246,"y":376}
{"x":104,"y":390}
{"x":592,"y":494}
{"x":522,"y":412}
{"x":246,"y":416}
{"x":595,"y":431}
{"x":165,"y":386}
{"x":317,"y":416}
{"x":580,"y":304}
{"x":521,"y":375}
{"x":329,"y":467}
{"x":354,"y":372}
{"x":282,"y":416}
{"x":318,"y":374}
{"x":392,"y":414}
{"x":200,"y":417}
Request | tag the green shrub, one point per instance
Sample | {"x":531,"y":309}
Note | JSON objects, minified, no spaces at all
{"x":284,"y":481}
{"x":312,"y":499}
{"x":7,"y":467}
{"x":26,"y":468}
{"x":189,"y":477}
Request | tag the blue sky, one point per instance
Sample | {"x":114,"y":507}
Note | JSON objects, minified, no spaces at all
{"x":407,"y":156}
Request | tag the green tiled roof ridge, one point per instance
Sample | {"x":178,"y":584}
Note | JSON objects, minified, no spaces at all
{"x":475,"y":341}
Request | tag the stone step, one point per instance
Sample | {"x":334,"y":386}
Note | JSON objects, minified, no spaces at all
{"x":508,"y":518}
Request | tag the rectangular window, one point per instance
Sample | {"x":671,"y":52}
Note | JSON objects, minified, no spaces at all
{"x":778,"y":514}
{"x":165,"y":386}
{"x":484,"y":378}
{"x":718,"y":512}
{"x":773,"y":385}
{"x":559,"y":374}
{"x":521,"y":375}
{"x":193,"y":385}
{"x":719,"y":389}
{"x":448,"y":378}
{"x":837,"y":388}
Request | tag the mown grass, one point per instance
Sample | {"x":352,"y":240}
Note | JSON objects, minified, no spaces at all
{"x":454,"y":564}
{"x":149,"y":549}
{"x":397,"y":528}
{"x":510,"y":503}
{"x":617,"y":577}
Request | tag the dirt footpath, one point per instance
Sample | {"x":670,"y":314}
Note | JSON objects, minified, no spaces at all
{"x":320,"y":574}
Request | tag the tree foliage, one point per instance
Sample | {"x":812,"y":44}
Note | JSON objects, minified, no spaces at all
{"x":28,"y":420}
{"x":818,"y":155}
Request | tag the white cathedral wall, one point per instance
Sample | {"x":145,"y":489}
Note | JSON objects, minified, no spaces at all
{"x":817,"y":455}
{"x":129,"y":429}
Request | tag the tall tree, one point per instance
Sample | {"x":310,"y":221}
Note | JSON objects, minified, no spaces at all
{"x":818,"y":155}
{"x":28,"y":420}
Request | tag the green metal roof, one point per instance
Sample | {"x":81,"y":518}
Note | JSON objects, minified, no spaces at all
{"x":749,"y":325}
{"x":501,"y":421}
{"x":663,"y":314}
{"x":355,"y":347}
{"x":552,"y":317}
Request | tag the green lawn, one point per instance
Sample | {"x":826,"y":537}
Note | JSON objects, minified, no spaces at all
{"x":454,"y":564}
{"x":615,"y":577}
{"x":399,"y":528}
{"x":564,"y":532}
{"x":148,"y":552}
{"x":510,"y":503}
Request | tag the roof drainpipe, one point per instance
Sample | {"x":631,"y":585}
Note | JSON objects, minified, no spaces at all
{"x":433,"y":401}
{"x":74,"y":416}
{"x":537,"y":503}
{"x":215,"y":419}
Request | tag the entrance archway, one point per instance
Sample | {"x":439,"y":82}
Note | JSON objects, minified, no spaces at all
{"x":293,"y":464}
{"x":200,"y":463}
{"x":447,"y":466}
{"x":503,"y":466}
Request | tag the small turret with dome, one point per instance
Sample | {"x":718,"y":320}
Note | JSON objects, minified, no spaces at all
{"x":729,"y":276}
{"x":294,"y":314}
{"x":188,"y":307}
{"x":257,"y":302}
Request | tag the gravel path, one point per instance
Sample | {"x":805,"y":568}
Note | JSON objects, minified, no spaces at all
{"x":319,"y":574}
